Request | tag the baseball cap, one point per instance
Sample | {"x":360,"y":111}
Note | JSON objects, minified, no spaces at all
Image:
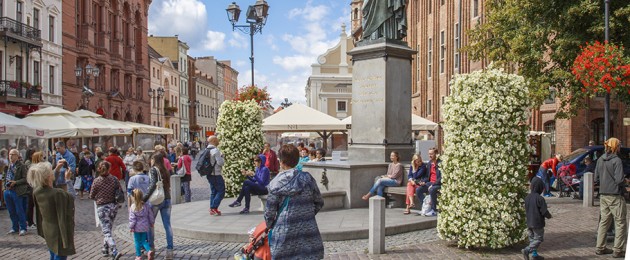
{"x":84,"y":147}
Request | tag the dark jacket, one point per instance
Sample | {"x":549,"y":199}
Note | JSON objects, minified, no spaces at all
{"x":262,"y":173}
{"x":86,"y":169}
{"x":420,"y":175}
{"x":589,"y":168}
{"x":55,"y":219}
{"x":153,"y":177}
{"x":609,"y":172}
{"x":20,"y":171}
{"x":536,"y":206}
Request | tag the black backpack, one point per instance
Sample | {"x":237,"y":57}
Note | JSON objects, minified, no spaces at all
{"x":204,"y":166}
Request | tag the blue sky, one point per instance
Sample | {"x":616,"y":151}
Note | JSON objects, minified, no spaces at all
{"x":295,"y":34}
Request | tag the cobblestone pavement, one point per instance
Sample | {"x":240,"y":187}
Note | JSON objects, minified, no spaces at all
{"x":569,"y":235}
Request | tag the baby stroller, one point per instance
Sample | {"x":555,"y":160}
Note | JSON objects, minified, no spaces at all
{"x":258,"y":246}
{"x":566,"y":182}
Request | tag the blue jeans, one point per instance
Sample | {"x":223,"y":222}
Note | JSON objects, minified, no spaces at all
{"x":140,"y":239}
{"x":380,"y":184}
{"x":164,"y":209}
{"x":420,"y":191}
{"x":56,"y":257}
{"x":17,"y":209}
{"x":217,"y":190}
{"x":187,"y":193}
{"x":544,"y":176}
{"x":249,"y":188}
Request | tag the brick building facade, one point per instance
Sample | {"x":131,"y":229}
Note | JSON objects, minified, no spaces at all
{"x":437,"y":29}
{"x":111,"y":36}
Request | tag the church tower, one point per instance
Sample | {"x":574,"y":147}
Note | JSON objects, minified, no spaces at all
{"x":356,"y":14}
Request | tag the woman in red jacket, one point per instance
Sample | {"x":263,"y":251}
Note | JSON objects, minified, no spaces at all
{"x":117,"y":166}
{"x":550,"y":164}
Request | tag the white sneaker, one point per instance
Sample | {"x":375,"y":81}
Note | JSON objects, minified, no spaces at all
{"x":169,"y":254}
{"x":22,"y":232}
{"x":431,"y":213}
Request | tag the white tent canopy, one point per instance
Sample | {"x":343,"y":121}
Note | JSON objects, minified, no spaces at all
{"x":300,"y":118}
{"x":149,"y":129}
{"x":59,"y":122}
{"x":417,"y":123}
{"x":115,"y":127}
{"x":10,"y":125}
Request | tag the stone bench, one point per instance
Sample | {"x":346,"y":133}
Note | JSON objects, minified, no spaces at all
{"x":332,"y":200}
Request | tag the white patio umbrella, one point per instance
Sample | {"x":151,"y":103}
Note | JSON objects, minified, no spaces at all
{"x":10,"y":125}
{"x":62,"y":123}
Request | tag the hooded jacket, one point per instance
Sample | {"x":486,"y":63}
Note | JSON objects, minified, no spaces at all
{"x":535,"y":205}
{"x":262,"y":173}
{"x":609,"y":172}
{"x":293,"y":201}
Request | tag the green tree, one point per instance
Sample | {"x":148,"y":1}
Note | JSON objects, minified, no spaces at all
{"x":540,"y":39}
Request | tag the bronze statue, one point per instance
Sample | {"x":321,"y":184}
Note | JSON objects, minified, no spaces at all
{"x":384,"y":19}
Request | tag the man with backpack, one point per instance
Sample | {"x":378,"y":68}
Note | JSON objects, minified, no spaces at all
{"x":210,"y":165}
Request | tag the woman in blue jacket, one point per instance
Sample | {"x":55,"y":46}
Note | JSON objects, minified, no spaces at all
{"x":256,"y":183}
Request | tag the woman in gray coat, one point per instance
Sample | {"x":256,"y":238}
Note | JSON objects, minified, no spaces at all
{"x":293,"y":201}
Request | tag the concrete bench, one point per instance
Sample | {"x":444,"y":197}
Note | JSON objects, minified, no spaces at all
{"x":332,"y":200}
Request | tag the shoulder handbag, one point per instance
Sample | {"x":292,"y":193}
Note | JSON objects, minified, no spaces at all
{"x":182,"y":170}
{"x":157,"y":196}
{"x":120,"y":194}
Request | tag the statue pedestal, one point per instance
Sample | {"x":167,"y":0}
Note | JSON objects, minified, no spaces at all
{"x":381,"y":101}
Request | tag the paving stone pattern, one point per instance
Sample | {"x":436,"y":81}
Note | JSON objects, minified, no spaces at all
{"x":569,"y":235}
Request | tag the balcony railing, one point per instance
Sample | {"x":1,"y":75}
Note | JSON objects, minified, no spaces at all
{"x":20,"y":31}
{"x":13,"y":91}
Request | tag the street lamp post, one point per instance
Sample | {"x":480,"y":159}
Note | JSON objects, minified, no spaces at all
{"x":607,"y":97}
{"x":159,"y":93}
{"x":86,"y":92}
{"x":256,"y":19}
{"x":286,"y":103}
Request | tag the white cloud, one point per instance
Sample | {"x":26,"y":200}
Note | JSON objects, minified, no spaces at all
{"x":292,"y":63}
{"x":271,"y":42}
{"x":185,"y":18}
{"x":238,"y":40}
{"x":309,"y":12}
{"x":214,"y":41}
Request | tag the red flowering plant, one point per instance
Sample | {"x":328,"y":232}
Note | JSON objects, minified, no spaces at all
{"x":14,"y":84}
{"x":602,"y":68}
{"x":261,"y":96}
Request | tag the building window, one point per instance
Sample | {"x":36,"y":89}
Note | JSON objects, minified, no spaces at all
{"x":430,"y":58}
{"x":1,"y":7}
{"x":35,"y":73}
{"x":341,"y":106}
{"x":441,"y":2}
{"x":51,"y":79}
{"x":550,"y":128}
{"x":36,"y":18}
{"x":51,"y":28}
{"x":442,"y":51}
{"x":18,"y":11}
{"x":456,"y":61}
{"x":429,"y":110}
{"x":475,"y":8}
{"x":552,"y":96}
{"x":597,"y":126}
{"x":430,"y":6}
{"x":18,"y":68}
{"x":355,"y":14}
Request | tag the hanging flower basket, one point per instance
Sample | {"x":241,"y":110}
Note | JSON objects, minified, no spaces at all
{"x":602,"y":68}
{"x":195,"y":128}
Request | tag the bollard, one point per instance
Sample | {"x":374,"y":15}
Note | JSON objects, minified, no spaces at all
{"x":377,"y":225}
{"x":588,"y":199}
{"x":176,"y":189}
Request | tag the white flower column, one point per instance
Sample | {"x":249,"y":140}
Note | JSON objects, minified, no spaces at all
{"x":240,"y":131}
{"x":484,"y":165}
